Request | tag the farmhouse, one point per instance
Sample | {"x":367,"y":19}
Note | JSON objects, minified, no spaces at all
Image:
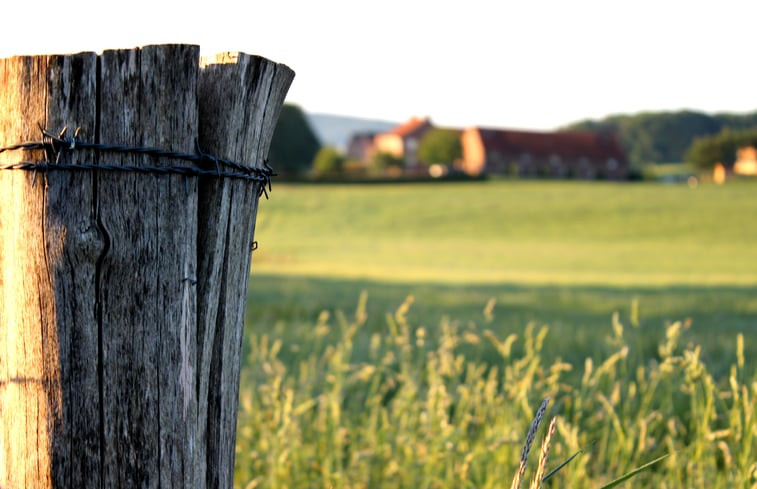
{"x":561,"y":154}
{"x":579,"y":154}
{"x":402,"y":141}
{"x":360,"y":146}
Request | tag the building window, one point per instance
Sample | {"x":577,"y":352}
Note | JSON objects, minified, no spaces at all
{"x":612,"y":164}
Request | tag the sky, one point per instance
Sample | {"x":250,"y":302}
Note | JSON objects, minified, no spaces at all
{"x":529,"y":64}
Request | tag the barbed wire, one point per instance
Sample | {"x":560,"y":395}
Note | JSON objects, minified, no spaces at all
{"x":56,"y":146}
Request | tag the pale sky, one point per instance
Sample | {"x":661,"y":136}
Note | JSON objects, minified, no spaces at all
{"x":505,"y":63}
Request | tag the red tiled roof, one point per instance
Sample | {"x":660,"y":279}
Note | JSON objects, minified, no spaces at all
{"x":411,"y":126}
{"x":573,"y":144}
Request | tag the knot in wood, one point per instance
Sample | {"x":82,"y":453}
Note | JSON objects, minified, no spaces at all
{"x":89,"y":243}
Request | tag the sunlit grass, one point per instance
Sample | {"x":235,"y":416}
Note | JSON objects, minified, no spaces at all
{"x":432,"y":410}
{"x":577,"y":315}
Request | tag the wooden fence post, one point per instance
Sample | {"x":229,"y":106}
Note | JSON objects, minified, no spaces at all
{"x":49,"y":245}
{"x":236,"y":124}
{"x":121,"y":292}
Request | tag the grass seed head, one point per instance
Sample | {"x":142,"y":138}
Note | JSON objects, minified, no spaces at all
{"x":527,"y":446}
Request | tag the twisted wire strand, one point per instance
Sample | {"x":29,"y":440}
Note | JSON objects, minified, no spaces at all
{"x":55,"y":146}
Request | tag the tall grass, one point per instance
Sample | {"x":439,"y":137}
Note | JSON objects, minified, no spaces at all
{"x":423,"y":410}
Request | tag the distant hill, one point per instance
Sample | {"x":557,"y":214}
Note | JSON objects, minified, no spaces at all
{"x":335,"y":130}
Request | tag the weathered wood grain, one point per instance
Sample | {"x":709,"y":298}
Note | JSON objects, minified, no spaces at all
{"x":72,"y":234}
{"x":147,"y":298}
{"x":49,"y":431}
{"x":240,"y":100}
{"x":122,"y":294}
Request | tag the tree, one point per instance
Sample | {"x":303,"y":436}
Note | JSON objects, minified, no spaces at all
{"x":659,"y":137}
{"x":294,"y":143}
{"x":705,"y":152}
{"x":328,"y":161}
{"x":721,"y":148}
{"x":382,"y":161}
{"x":440,"y":146}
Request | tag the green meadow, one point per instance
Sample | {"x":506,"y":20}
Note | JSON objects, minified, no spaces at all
{"x":380,"y":317}
{"x":570,"y":233}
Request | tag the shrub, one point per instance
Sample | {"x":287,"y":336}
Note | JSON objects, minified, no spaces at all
{"x":328,"y":161}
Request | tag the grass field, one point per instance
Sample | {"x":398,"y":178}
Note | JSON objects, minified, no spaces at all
{"x":483,"y":262}
{"x":513,"y":232}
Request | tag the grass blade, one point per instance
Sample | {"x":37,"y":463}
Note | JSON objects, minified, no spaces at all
{"x":627,"y":476}
{"x":563,"y":464}
{"x":566,"y":462}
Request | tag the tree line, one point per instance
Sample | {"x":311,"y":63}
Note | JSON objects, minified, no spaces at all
{"x":682,"y":136}
{"x":648,"y":137}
